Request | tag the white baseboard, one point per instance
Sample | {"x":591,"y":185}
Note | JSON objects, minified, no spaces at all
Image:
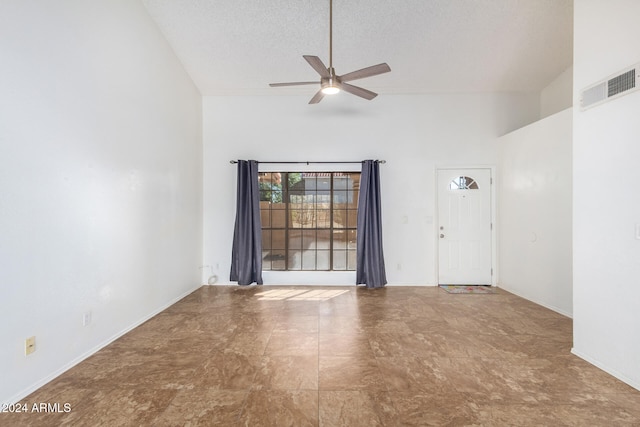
{"x":329,"y":284}
{"x":528,"y":298}
{"x":633,"y":383}
{"x":414,"y":285}
{"x":27,"y":391}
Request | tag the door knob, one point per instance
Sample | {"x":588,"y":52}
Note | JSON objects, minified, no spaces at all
{"x":441,"y":235}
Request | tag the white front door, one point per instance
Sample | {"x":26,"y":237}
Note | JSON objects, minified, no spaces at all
{"x":464,"y":227}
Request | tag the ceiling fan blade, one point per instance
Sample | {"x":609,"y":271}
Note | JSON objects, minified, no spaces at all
{"x":317,"y":97}
{"x":317,"y":65}
{"x":293,"y":84}
{"x":374,"y":70}
{"x":358,"y":91}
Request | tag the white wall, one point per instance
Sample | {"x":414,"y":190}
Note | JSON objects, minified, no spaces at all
{"x":606,"y":205}
{"x":100,"y":181}
{"x":535,"y":222}
{"x":558,"y":95}
{"x":414,"y":133}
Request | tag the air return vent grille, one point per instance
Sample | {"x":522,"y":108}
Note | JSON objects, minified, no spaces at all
{"x":619,"y":84}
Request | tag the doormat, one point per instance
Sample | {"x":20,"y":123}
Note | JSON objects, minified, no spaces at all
{"x":468,"y":289}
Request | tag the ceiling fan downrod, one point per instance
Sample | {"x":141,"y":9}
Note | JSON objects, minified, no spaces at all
{"x":330,"y":86}
{"x":330,"y":35}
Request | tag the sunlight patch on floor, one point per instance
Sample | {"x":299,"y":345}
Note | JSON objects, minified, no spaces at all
{"x":300,"y":295}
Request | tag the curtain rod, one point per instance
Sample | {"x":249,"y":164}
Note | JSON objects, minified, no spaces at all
{"x":233,"y":162}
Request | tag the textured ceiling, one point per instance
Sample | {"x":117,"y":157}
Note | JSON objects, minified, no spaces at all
{"x":237,"y":47}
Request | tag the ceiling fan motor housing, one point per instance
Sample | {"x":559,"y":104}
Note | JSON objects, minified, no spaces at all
{"x":331,"y":84}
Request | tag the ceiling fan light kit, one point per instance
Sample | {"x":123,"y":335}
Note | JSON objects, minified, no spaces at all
{"x":329,"y":86}
{"x":330,"y":90}
{"x":330,"y":82}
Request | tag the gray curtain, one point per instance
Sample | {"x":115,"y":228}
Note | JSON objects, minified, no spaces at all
{"x":370,"y":259}
{"x":246,"y":256}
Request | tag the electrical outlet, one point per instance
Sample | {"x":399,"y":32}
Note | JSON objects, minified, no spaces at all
{"x":29,"y":345}
{"x":86,"y":318}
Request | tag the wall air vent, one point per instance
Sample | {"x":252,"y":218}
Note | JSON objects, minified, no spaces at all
{"x":614,"y":86}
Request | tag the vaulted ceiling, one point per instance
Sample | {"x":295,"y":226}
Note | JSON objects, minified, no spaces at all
{"x":238,"y":47}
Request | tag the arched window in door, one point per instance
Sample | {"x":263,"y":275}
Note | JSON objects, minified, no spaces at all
{"x":463,"y":183}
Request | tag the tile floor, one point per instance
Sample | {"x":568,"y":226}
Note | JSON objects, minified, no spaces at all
{"x":340,"y":356}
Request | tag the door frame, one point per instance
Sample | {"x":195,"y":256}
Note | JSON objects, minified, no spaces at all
{"x":494,"y":228}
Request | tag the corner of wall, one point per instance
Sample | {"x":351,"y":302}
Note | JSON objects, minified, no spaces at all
{"x":557,"y":95}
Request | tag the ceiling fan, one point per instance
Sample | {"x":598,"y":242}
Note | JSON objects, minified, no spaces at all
{"x":330,"y":82}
